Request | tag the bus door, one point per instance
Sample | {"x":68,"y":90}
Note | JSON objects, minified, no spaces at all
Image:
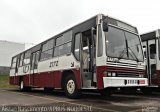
{"x":15,"y":63}
{"x":86,"y":57}
{"x":34,"y":65}
{"x":152,"y":60}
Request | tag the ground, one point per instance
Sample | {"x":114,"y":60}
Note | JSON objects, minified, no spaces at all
{"x":11,"y":100}
{"x":89,"y":102}
{"x":4,"y":81}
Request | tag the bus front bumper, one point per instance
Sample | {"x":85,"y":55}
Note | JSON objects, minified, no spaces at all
{"x":124,"y":82}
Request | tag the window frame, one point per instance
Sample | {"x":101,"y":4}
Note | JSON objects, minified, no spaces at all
{"x":14,"y":62}
{"x":27,"y":57}
{"x":43,"y":51}
{"x":21,"y":63}
{"x":74,"y":43}
{"x":63,"y":43}
{"x":125,"y":37}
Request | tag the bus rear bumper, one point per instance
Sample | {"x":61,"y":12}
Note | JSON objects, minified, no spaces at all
{"x":124,"y":82}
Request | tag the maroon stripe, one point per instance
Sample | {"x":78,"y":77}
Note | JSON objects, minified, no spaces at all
{"x":45,"y":79}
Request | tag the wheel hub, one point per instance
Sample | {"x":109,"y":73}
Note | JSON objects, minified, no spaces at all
{"x":70,"y":86}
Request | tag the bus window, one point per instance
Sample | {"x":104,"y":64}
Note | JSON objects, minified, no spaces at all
{"x":66,"y":37}
{"x":47,"y":49}
{"x":21,"y":60}
{"x":152,"y":51}
{"x":77,"y":46}
{"x":63,"y":44}
{"x":14,"y":62}
{"x":27,"y":57}
{"x":62,"y":49}
{"x":66,"y":48}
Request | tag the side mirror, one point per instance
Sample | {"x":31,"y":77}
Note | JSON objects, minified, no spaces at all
{"x":105,"y":24}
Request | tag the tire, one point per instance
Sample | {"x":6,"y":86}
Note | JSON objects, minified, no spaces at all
{"x":23,"y":88}
{"x":70,"y":87}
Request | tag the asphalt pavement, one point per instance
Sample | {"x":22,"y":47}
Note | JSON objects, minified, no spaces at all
{"x":12,"y":100}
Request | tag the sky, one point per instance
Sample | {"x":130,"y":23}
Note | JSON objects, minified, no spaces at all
{"x":33,"y":21}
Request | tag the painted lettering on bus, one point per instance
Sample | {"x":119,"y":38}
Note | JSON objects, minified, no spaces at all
{"x":72,"y":64}
{"x":53,"y":64}
{"x":112,"y":59}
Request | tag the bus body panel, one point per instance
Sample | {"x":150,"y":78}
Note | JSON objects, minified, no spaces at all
{"x":50,"y":72}
{"x":151,"y":43}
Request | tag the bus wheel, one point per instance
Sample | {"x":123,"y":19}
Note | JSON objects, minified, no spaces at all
{"x":23,"y":88}
{"x":70,"y":87}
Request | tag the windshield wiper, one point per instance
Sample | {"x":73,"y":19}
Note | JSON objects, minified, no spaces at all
{"x":134,"y":54}
{"x":122,"y":53}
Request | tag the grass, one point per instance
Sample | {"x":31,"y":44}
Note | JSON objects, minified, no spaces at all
{"x":4,"y":82}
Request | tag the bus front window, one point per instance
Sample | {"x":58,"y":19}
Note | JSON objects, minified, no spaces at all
{"x":122,"y":44}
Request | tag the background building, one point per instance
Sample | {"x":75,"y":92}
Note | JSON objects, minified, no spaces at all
{"x":7,"y":51}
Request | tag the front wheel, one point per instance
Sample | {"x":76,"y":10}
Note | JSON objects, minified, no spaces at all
{"x":70,"y":87}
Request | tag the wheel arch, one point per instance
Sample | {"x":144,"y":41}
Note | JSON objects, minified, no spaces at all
{"x":67,"y":73}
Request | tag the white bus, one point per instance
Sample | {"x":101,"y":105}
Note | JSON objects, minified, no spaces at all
{"x":101,"y":53}
{"x":151,"y":44}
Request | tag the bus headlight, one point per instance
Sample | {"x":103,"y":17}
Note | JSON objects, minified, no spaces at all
{"x":113,"y":74}
{"x":105,"y":74}
{"x":109,"y":74}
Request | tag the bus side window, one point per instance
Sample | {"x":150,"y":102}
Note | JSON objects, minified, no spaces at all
{"x":47,"y":49}
{"x":152,"y":51}
{"x":27,"y":57}
{"x":77,"y":46}
{"x":14,"y":60}
{"x":21,"y":60}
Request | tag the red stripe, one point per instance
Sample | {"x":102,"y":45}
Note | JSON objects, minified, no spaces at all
{"x":45,"y":79}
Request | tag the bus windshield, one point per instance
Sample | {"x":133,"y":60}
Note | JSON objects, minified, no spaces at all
{"x":123,"y":44}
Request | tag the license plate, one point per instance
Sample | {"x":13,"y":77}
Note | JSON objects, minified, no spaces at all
{"x":130,"y":82}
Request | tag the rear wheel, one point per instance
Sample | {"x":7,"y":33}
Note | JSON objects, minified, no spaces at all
{"x":70,"y":87}
{"x":24,"y":88}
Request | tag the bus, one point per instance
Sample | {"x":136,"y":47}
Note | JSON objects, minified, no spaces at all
{"x":151,"y":45}
{"x":101,"y":54}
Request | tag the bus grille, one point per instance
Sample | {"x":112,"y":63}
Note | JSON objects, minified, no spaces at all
{"x":120,"y":74}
